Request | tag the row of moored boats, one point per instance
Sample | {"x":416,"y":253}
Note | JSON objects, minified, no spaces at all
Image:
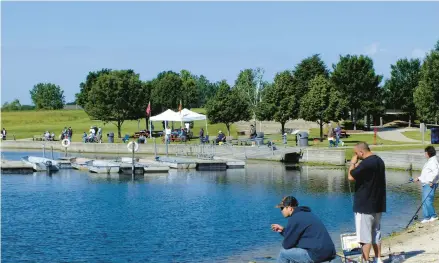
{"x":118,"y":165}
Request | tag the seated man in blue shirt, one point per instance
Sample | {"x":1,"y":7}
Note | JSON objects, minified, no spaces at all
{"x":306,"y":239}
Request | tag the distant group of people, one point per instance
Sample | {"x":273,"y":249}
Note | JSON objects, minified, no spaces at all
{"x":67,"y":133}
{"x":305,"y":238}
{"x":49,"y":136}
{"x":94,"y":135}
{"x":334,"y":135}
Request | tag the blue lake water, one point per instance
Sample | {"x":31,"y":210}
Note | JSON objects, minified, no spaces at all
{"x":183,"y":216}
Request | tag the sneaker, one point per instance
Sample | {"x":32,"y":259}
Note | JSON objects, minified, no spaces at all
{"x":377,"y":260}
{"x":425,"y":221}
{"x":433,"y":219}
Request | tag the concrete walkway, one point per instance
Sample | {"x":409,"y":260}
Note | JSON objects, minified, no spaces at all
{"x":396,"y":135}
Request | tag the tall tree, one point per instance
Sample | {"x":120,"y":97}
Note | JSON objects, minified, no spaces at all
{"x":278,"y":100}
{"x":206,"y":90}
{"x":85,"y":87}
{"x":47,"y":96}
{"x":189,"y":93}
{"x":306,"y":71}
{"x":228,"y":106}
{"x":322,"y":103}
{"x":400,"y":87}
{"x":426,"y":96}
{"x":167,"y":88}
{"x":250,"y":84}
{"x":355,"y":78}
{"x":117,"y":96}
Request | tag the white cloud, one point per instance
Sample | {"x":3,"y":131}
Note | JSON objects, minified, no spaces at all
{"x":418,"y":53}
{"x":373,"y":49}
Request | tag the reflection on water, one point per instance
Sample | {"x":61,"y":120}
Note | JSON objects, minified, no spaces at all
{"x":183,"y":216}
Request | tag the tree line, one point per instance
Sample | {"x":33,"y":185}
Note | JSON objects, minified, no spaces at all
{"x":311,"y":91}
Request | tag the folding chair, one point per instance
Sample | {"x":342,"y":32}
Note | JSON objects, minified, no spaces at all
{"x":351,"y":247}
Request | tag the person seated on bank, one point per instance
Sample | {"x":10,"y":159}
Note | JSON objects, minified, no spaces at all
{"x":142,"y":138}
{"x":221,"y":137}
{"x":306,"y":239}
{"x":84,"y":137}
{"x":252,"y":131}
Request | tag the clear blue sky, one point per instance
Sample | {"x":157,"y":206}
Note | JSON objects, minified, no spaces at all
{"x":61,"y":42}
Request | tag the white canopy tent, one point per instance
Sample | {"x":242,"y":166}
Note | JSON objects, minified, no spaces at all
{"x":168,"y":115}
{"x":188,"y":115}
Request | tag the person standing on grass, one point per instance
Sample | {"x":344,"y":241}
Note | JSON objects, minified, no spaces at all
{"x":370,"y":198}
{"x":306,"y":239}
{"x":429,"y":179}
{"x":4,"y":134}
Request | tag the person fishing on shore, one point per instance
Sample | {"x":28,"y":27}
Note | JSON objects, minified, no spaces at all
{"x":370,"y":198}
{"x":429,"y":179}
{"x":306,"y":239}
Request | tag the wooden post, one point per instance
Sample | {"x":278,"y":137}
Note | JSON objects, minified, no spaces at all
{"x":133,"y":159}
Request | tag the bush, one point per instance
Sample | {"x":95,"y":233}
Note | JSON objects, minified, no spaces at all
{"x":348,"y":125}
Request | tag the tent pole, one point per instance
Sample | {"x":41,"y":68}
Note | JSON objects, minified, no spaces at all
{"x":207,"y":131}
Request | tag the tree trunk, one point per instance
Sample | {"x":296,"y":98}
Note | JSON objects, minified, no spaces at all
{"x":368,"y":121}
{"x":410,"y":120}
{"x":282,"y":125}
{"x":228,"y":128}
{"x":119,"y":126}
{"x":321,"y":131}
{"x":354,"y":119}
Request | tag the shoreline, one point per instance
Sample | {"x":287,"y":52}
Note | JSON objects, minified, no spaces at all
{"x":419,"y":242}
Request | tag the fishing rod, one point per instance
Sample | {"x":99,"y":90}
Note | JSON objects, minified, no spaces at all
{"x":411,"y":180}
{"x":415,"y":216}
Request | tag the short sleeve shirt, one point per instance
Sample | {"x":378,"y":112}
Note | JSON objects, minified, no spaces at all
{"x":370,"y":186}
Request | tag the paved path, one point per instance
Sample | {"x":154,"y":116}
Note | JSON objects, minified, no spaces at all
{"x":396,"y":135}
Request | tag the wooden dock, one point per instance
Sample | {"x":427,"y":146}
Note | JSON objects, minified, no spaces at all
{"x":16,"y":167}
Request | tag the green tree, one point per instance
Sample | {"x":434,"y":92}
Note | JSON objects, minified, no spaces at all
{"x":249,"y":83}
{"x":206,"y":90}
{"x":426,"y":96}
{"x":355,"y":78}
{"x":228,"y":106}
{"x":322,"y":103}
{"x":306,"y":71}
{"x":117,"y":96}
{"x":400,"y":87}
{"x":85,"y":87}
{"x":278,"y":100}
{"x":189,"y":93}
{"x":47,"y":96}
{"x":15,"y":105}
{"x":167,"y":88}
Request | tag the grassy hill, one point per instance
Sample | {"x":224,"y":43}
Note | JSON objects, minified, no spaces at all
{"x":26,"y":124}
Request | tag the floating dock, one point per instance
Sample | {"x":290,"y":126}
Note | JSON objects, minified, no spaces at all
{"x":16,"y":167}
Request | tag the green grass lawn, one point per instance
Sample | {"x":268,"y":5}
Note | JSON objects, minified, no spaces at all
{"x":26,"y":124}
{"x":416,"y":135}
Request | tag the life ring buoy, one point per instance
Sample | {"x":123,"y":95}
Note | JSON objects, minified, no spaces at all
{"x":65,"y":143}
{"x":136,"y":146}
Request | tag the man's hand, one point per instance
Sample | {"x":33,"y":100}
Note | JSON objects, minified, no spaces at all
{"x":277,"y":228}
{"x":417,"y":179}
{"x":354,"y":159}
{"x":431,"y":185}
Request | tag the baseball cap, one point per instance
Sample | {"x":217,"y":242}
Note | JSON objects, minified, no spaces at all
{"x":288,"y":201}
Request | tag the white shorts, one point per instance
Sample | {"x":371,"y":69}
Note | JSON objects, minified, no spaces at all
{"x":368,"y":228}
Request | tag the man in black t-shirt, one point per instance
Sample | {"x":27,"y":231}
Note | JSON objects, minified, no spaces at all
{"x":370,"y":198}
